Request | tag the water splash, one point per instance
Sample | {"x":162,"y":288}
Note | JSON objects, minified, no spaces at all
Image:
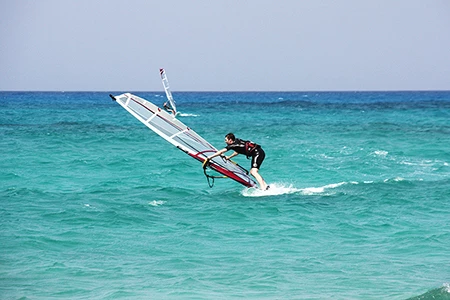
{"x":156,"y":202}
{"x":322,"y":189}
{"x":281,"y":189}
{"x":274,"y":190}
{"x":188,"y":115}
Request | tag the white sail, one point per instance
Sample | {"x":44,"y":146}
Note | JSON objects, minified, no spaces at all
{"x":170,"y":104}
{"x":181,"y":136}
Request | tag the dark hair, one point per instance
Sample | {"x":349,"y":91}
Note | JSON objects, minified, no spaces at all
{"x":231,"y":136}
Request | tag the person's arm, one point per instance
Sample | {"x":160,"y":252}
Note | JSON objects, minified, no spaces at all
{"x":220,"y":152}
{"x":232,"y":155}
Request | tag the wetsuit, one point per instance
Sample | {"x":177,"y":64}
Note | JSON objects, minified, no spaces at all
{"x":249,"y":149}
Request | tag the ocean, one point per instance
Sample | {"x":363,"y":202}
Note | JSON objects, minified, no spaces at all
{"x":94,"y":205}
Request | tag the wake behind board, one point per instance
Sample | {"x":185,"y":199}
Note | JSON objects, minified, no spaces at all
{"x":181,"y":136}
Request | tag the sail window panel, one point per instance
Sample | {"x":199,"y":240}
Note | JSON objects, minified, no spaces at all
{"x":140,"y":110}
{"x":190,"y":143}
{"x":163,"y":126}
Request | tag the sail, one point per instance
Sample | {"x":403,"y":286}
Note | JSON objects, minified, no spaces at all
{"x":170,"y":104}
{"x":181,"y":136}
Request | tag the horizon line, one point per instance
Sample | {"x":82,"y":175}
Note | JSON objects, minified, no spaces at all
{"x":231,"y":91}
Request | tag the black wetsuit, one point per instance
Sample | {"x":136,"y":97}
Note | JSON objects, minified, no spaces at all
{"x":249,"y":149}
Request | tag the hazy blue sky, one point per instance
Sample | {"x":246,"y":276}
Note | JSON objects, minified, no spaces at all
{"x":223,"y":45}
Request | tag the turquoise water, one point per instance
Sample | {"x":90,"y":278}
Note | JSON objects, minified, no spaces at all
{"x":96,"y":206}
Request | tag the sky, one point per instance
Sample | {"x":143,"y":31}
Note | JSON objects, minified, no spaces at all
{"x":224,"y":45}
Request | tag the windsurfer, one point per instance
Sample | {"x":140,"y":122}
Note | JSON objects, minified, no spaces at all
{"x":249,"y":149}
{"x":168,"y":108}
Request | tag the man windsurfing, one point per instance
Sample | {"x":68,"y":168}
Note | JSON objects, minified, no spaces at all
{"x":247,"y":148}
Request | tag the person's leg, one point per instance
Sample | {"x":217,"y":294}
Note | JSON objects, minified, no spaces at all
{"x":262,"y":183}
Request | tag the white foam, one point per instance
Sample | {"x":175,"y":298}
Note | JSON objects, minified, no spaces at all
{"x":396,"y":179}
{"x":321,"y":190}
{"x":188,"y":115}
{"x":156,"y":202}
{"x":313,"y":190}
{"x":334,"y":185}
{"x":88,"y":206}
{"x":281,"y":189}
{"x":381,"y":153}
{"x":274,"y":190}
